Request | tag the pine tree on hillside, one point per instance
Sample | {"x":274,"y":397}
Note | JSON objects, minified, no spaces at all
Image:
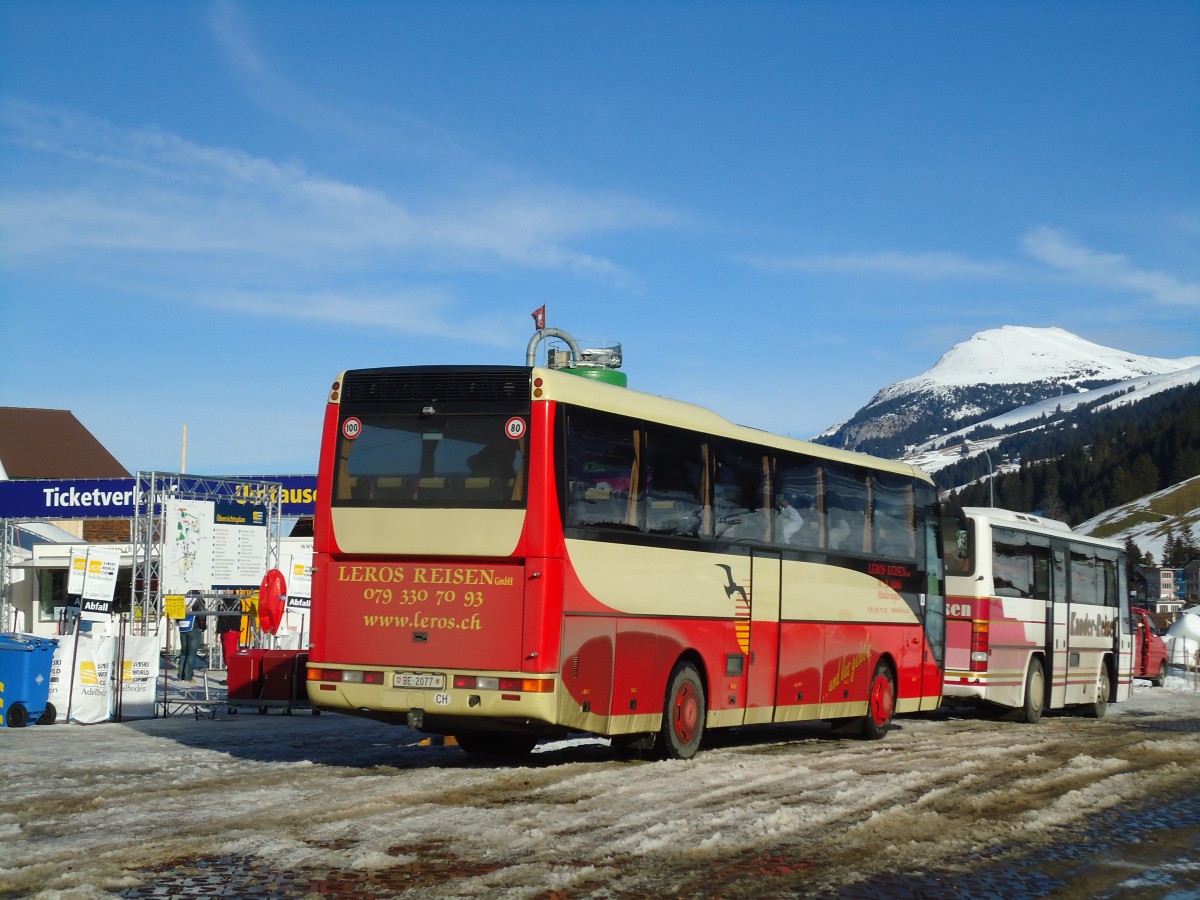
{"x":1180,"y":549}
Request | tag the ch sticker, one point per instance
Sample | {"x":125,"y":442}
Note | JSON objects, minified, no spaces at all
{"x":515,"y":427}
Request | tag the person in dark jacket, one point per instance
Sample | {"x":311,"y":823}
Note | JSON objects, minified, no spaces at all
{"x":191,"y":635}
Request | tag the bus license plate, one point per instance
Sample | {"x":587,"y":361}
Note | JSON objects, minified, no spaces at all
{"x":424,"y":680}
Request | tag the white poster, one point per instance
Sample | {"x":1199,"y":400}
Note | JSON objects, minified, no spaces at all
{"x":239,"y":546}
{"x":299,"y":575}
{"x":76,"y":571}
{"x":60,"y":675}
{"x":139,"y":676}
{"x":91,"y":699}
{"x":100,"y":583}
{"x":213,"y":546}
{"x":91,"y":694}
{"x":187,"y":546}
{"x":100,"y":579}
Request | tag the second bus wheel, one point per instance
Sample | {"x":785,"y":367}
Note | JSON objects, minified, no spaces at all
{"x":683,"y":715}
{"x":1097,"y":709}
{"x":1035,"y":693}
{"x":881,"y":703}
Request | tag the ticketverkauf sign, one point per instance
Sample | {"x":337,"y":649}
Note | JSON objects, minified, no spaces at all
{"x":112,"y":498}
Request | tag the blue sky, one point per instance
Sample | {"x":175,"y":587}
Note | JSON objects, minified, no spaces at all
{"x":208,"y":210}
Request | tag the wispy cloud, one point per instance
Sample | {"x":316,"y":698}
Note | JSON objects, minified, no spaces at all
{"x":1108,"y":270}
{"x":428,"y":312}
{"x":143,"y":189}
{"x":276,"y":95}
{"x":1048,"y":246}
{"x":922,"y":266}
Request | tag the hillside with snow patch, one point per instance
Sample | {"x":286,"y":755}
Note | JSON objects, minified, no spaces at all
{"x":1005,"y":377}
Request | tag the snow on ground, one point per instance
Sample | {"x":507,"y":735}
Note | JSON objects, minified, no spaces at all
{"x":90,"y":811}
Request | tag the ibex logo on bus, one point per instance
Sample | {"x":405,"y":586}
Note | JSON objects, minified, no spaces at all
{"x":741,"y":608}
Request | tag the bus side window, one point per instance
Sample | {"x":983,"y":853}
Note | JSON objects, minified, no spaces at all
{"x":893,"y":519}
{"x":797,"y":502}
{"x":676,"y":473}
{"x":601,"y":458}
{"x":741,"y":475}
{"x":1085,"y":585}
{"x":846,"y":510}
{"x":390,"y":488}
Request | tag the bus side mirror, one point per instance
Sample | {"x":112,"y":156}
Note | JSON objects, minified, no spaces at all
{"x":960,"y":543}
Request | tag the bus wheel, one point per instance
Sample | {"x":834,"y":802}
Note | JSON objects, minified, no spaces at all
{"x":683,"y":717}
{"x":1035,"y":693}
{"x":1161,"y":678}
{"x":1096,"y":710}
{"x":881,"y":703}
{"x":506,"y":746}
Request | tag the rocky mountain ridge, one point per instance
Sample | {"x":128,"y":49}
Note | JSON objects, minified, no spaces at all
{"x":1000,"y":378}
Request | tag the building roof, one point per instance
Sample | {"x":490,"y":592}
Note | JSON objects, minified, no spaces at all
{"x":52,"y":443}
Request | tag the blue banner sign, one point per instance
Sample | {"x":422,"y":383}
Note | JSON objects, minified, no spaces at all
{"x":112,"y":498}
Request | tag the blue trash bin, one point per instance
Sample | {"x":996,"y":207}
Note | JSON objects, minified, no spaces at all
{"x":25,"y":679}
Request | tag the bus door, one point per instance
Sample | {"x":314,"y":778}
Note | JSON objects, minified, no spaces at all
{"x":762,"y":661}
{"x":1124,"y":634}
{"x":1058,"y":639}
{"x":934,"y":602}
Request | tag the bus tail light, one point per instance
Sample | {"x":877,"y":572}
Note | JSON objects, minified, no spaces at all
{"x":979,"y":646}
{"x":345,"y":676}
{"x":492,"y":683}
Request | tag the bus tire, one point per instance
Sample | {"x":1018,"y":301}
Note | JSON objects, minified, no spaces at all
{"x":1035,"y":692}
{"x":683,"y":715}
{"x":1096,"y":710}
{"x":1161,"y":678}
{"x":504,"y":746}
{"x":881,"y":703}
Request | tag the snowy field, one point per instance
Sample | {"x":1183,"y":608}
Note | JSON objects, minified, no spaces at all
{"x":299,"y":805}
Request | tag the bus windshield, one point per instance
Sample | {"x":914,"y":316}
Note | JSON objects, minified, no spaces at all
{"x":447,"y":460}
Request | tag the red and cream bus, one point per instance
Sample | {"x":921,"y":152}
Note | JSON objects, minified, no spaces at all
{"x":507,"y":554}
{"x":1037,"y":616}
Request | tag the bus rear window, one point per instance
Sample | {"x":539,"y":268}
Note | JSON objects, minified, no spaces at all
{"x":468,"y":461}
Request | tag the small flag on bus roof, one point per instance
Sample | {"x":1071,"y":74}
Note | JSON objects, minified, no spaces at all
{"x":539,"y":317}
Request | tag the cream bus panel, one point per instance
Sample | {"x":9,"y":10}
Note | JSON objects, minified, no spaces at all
{"x":427,"y":532}
{"x":653,"y":581}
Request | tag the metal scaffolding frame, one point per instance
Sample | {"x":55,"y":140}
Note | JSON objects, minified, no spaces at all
{"x":7,"y":542}
{"x":151,"y":491}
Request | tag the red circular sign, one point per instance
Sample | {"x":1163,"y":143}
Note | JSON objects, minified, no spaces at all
{"x":515,"y":427}
{"x":351,"y":428}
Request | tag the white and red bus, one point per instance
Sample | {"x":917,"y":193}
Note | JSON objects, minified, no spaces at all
{"x":1037,"y":616}
{"x":507,"y":554}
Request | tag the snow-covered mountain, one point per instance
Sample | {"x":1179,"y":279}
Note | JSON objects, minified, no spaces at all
{"x":1003,"y":377}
